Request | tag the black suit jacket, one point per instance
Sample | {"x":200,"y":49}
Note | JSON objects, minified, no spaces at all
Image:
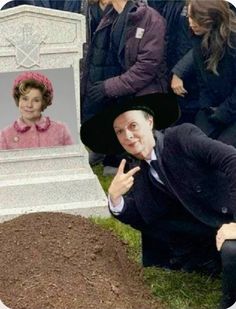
{"x":200,"y":174}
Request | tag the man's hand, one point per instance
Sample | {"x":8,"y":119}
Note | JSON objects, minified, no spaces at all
{"x":121,"y":183}
{"x":227,"y":231}
{"x":177,"y":86}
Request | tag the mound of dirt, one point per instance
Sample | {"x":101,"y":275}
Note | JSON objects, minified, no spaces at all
{"x":55,"y":260}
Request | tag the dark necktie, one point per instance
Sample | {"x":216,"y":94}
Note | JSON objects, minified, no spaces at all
{"x":157,"y":167}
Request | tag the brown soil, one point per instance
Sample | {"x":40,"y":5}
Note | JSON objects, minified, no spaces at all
{"x":55,"y":260}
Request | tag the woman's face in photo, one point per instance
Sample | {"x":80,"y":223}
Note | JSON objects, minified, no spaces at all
{"x":30,"y":105}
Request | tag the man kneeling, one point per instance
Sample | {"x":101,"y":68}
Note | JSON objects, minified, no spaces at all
{"x":179,"y":189}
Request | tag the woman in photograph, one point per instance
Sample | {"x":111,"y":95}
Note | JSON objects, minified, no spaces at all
{"x":33,"y":93}
{"x":213,"y":24}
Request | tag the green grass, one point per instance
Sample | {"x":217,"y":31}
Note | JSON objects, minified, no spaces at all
{"x":178,"y":290}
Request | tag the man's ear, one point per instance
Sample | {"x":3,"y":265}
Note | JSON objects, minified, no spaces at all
{"x":151,"y":121}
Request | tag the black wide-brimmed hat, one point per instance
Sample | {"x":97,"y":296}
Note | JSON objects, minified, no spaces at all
{"x":98,"y":134}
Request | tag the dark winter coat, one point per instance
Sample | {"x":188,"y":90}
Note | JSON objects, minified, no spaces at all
{"x":141,"y":53}
{"x":218,"y":90}
{"x":13,"y":3}
{"x":198,"y":197}
{"x":145,"y":70}
{"x":178,"y":42}
{"x":197,"y":171}
{"x":64,"y":5}
{"x":100,"y":64}
{"x":93,"y":18}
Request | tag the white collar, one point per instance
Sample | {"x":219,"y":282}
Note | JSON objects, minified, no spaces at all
{"x":153,"y":157}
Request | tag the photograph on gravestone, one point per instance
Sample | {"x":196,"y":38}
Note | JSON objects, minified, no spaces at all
{"x":55,"y":125}
{"x":35,"y":176}
{"x":74,"y":269}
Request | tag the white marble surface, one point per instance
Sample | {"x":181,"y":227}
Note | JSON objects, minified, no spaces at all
{"x":46,"y":179}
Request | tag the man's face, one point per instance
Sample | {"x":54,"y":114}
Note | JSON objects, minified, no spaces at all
{"x":134,"y":132}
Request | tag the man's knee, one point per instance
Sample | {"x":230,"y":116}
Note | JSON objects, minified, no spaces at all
{"x":228,"y":253}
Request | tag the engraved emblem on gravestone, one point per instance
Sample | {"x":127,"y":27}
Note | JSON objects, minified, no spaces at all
{"x":27,"y":43}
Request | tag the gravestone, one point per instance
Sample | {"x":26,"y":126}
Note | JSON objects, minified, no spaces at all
{"x":56,"y":178}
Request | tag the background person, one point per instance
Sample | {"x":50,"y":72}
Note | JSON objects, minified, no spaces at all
{"x":179,"y":191}
{"x":126,"y":56}
{"x":33,"y":93}
{"x":64,"y":5}
{"x":213,"y":24}
{"x":179,"y":42}
{"x":96,"y":9}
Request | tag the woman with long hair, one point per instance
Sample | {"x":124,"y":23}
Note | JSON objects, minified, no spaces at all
{"x":213,"y":24}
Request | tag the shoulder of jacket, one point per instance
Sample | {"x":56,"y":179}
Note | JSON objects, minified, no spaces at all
{"x":57,"y":123}
{"x":142,"y":10}
{"x":180,"y":131}
{"x":8,"y":129}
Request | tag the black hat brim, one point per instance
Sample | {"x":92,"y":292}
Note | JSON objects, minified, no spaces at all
{"x":98,"y":134}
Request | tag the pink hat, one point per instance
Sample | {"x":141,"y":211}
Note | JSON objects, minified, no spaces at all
{"x":35,"y":76}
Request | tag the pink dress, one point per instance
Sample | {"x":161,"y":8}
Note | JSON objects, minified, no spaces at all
{"x":44,"y":133}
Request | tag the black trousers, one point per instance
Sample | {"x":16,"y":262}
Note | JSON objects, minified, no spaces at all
{"x":175,"y":239}
{"x":221,"y":132}
{"x":228,"y":257}
{"x":187,"y":244}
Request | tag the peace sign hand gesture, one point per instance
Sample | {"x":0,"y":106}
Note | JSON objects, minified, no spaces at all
{"x":121,"y":183}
